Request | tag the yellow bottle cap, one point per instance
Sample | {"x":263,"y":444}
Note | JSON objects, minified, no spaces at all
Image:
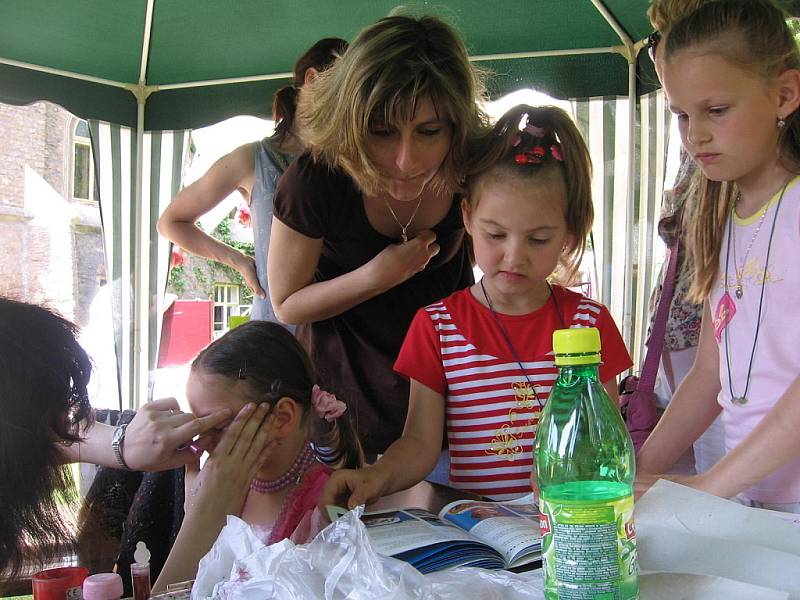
{"x":580,"y":346}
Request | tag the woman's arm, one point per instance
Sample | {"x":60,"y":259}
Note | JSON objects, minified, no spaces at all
{"x":152,"y":438}
{"x":691,"y":410}
{"x":234,"y":171}
{"x":216,"y":491}
{"x":293,"y":259}
{"x":406,"y":462}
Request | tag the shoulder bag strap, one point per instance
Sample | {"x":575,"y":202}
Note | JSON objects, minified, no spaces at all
{"x":647,"y":378}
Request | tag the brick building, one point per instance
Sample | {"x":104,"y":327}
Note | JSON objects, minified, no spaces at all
{"x":52,"y":248}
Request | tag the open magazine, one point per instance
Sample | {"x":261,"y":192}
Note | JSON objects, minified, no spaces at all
{"x":492,"y":535}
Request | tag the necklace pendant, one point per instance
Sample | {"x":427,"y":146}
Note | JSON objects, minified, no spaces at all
{"x":739,"y":292}
{"x":404,"y":237}
{"x":739,"y":400}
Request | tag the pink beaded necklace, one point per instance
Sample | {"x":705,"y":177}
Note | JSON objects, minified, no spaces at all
{"x":305,"y":458}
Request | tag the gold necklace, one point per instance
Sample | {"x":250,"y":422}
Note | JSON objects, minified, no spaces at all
{"x":403,"y":228}
{"x":739,"y":272}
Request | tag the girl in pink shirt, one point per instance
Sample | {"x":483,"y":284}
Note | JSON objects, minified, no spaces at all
{"x":731,"y":72}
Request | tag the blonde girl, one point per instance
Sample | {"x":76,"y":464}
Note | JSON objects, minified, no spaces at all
{"x":480,"y":360}
{"x":731,"y":71}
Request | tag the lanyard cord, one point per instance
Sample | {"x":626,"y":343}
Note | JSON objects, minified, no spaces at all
{"x":743,"y":398}
{"x":507,"y":337}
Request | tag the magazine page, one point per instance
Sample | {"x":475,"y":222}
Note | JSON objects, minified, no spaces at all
{"x":511,"y":528}
{"x":420,"y":538}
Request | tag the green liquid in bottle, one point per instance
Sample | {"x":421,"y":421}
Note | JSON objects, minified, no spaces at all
{"x":585,"y":472}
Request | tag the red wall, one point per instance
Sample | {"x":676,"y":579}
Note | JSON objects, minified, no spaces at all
{"x":186,"y":331}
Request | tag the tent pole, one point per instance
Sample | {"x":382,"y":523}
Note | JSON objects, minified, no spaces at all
{"x":141,"y":98}
{"x":629,"y":51}
{"x":136,"y":389}
{"x":627,"y":307}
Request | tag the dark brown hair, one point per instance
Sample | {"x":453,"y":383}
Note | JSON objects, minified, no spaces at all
{"x":275,"y":365}
{"x":43,"y":401}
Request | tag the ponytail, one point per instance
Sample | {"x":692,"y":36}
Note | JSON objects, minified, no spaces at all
{"x":284,"y":105}
{"x":336,"y":442}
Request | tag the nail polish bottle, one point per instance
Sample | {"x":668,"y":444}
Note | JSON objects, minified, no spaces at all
{"x":140,"y":572}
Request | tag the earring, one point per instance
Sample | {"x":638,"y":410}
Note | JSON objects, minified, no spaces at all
{"x":781,"y":123}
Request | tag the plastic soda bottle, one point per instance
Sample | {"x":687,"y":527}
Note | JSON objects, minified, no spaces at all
{"x":585,"y":470}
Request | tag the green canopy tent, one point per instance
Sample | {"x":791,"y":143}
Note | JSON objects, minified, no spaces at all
{"x":178,"y":64}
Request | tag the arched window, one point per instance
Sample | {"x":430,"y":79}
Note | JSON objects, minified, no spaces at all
{"x":83,"y":184}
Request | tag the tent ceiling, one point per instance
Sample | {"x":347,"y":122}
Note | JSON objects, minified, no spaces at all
{"x":207,"y":40}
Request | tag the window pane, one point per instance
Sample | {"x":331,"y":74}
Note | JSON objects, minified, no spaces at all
{"x":80,"y":179}
{"x":82,"y":129}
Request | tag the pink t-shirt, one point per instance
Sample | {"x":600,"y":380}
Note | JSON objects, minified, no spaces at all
{"x":776,"y":361}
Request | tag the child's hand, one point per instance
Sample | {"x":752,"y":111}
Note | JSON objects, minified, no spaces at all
{"x":351,"y":487}
{"x":159,"y":429}
{"x":219,"y":489}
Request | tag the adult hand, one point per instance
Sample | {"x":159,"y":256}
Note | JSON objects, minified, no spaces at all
{"x":399,"y":262}
{"x":246,"y":265}
{"x":220,"y":487}
{"x":159,"y":429}
{"x":351,"y":487}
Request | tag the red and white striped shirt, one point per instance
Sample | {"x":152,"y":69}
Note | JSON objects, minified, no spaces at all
{"x":455,"y":348}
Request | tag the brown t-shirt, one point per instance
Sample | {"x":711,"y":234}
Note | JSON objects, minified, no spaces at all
{"x":354,"y":352}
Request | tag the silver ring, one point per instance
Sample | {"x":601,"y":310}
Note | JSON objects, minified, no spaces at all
{"x":171,"y":411}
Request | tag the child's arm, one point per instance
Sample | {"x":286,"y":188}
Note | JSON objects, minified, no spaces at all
{"x":770,"y":446}
{"x":406,"y":462}
{"x":691,"y":410}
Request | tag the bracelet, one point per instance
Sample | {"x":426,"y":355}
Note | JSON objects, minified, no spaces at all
{"x":116,"y":445}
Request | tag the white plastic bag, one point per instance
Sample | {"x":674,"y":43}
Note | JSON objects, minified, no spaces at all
{"x":339,"y":563}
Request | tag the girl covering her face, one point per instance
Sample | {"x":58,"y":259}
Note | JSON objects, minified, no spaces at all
{"x":269,"y":463}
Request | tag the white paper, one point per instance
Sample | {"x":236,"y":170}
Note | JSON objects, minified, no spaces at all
{"x":681,"y":530}
{"x":681,"y":586}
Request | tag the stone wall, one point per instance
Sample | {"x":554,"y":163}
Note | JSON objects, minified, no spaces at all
{"x":52,"y":250}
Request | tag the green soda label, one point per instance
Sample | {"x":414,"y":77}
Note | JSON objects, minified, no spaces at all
{"x":589,"y":549}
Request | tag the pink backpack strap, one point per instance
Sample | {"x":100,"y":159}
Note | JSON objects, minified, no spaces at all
{"x":655,"y":345}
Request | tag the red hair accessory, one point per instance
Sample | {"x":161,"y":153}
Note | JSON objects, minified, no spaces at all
{"x":535,"y":137}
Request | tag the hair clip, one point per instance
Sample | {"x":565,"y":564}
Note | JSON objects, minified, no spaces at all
{"x":275,"y":388}
{"x":537,"y":132}
{"x":243,"y":372}
{"x":533,"y":156}
{"x":533,"y":144}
